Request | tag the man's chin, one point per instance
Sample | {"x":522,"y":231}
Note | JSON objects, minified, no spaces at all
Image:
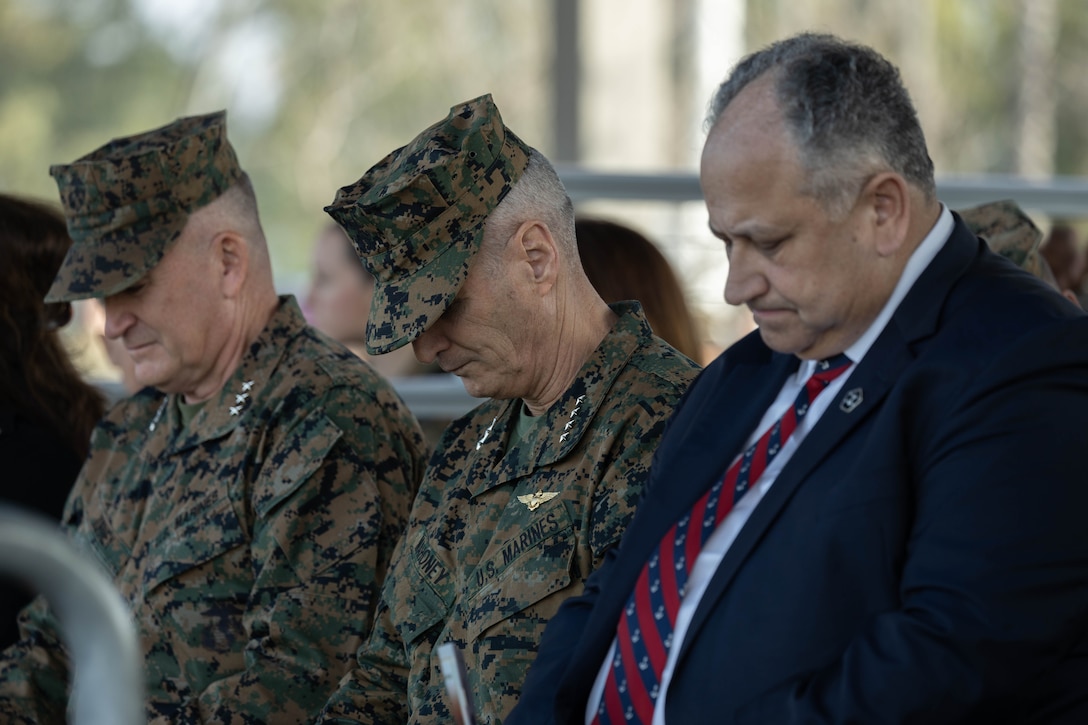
{"x":147,"y":376}
{"x":780,"y":342}
{"x":474,"y":389}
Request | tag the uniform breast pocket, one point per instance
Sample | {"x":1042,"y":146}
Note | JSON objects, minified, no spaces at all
{"x":193,"y":539}
{"x":525,"y":567}
{"x":425,"y":594}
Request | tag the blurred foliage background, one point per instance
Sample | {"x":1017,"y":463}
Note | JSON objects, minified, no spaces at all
{"x":319,"y":91}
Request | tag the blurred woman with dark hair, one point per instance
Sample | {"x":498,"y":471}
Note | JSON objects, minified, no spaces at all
{"x":47,"y":411}
{"x":622,"y":264}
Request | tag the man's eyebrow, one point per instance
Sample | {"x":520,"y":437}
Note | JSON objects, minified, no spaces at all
{"x":746,"y":230}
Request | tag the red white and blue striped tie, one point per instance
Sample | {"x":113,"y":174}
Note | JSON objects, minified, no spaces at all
{"x":644,"y":633}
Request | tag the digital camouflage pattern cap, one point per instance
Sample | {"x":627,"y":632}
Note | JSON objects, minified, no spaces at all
{"x":416,"y":218}
{"x":128,"y":201}
{"x":1008,"y":231}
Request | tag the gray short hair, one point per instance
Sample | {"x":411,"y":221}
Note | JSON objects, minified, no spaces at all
{"x":847,"y":110}
{"x":538,"y":194}
{"x":235,"y":208}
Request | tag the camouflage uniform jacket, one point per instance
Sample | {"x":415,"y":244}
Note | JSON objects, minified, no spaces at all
{"x":501,"y":534}
{"x":250,"y":545}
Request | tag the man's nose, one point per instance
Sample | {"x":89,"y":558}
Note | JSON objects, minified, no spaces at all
{"x":118,"y":318}
{"x":429,"y":343}
{"x":744,"y":281}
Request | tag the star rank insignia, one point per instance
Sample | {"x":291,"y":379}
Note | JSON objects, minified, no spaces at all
{"x":241,"y":398}
{"x":533,"y":500}
{"x":487,"y":433}
{"x":566,"y":428}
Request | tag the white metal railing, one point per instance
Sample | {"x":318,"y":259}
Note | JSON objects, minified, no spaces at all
{"x":1060,"y":196}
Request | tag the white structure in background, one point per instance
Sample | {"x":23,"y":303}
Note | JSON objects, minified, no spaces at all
{"x":650,"y":69}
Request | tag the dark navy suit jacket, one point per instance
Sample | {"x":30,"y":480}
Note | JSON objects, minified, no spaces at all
{"x":922,"y":558}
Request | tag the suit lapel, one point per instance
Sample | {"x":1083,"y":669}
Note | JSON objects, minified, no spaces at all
{"x":915,"y":319}
{"x":716,"y":434}
{"x":724,"y":403}
{"x":872,"y":379}
{"x":721,"y":409}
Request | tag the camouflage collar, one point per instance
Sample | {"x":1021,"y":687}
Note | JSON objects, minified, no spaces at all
{"x":232,"y":405}
{"x":555,"y":434}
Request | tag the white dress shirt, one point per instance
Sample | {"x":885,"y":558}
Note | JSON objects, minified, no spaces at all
{"x":719,"y":542}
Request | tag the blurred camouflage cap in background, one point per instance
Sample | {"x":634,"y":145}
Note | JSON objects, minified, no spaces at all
{"x":416,"y":218}
{"x":128,"y":201}
{"x":1009,"y":232}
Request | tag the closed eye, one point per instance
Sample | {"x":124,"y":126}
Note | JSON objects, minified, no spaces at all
{"x":768,"y":246}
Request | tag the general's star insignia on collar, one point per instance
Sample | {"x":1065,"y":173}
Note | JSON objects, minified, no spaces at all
{"x":570,"y":422}
{"x":486,"y":434}
{"x":158,"y":414}
{"x":533,"y":500}
{"x":241,"y":398}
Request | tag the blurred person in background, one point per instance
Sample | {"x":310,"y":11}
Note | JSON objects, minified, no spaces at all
{"x":1010,"y":232}
{"x":1063,"y":253}
{"x":622,"y":264}
{"x":47,"y":411}
{"x":338,"y":302}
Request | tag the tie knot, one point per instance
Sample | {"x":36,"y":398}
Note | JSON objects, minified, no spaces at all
{"x":830,"y":368}
{"x":833,"y":363}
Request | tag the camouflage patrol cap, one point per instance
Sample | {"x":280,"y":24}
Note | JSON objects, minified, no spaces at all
{"x":1008,"y":231}
{"x":128,"y":201}
{"x":416,"y":218}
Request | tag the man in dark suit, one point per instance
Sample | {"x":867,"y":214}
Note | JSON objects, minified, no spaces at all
{"x":893,"y":536}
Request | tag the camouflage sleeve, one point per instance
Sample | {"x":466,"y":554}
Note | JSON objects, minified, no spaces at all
{"x":376,"y":689}
{"x":34,"y":671}
{"x":330,"y":501}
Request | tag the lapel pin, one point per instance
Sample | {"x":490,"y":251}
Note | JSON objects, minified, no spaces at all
{"x":851,"y":400}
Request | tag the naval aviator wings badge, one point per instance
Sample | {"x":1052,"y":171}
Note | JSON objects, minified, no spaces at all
{"x":533,"y":500}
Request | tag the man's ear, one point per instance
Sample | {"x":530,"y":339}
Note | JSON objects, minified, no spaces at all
{"x":232,"y":254}
{"x":541,"y":252}
{"x":889,"y":198}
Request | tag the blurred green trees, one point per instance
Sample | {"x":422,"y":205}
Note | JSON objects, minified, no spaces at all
{"x":319,"y":90}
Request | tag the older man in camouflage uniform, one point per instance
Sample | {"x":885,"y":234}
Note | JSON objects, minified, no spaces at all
{"x":1012,"y":234}
{"x":470,"y":236}
{"x":247,"y":503}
